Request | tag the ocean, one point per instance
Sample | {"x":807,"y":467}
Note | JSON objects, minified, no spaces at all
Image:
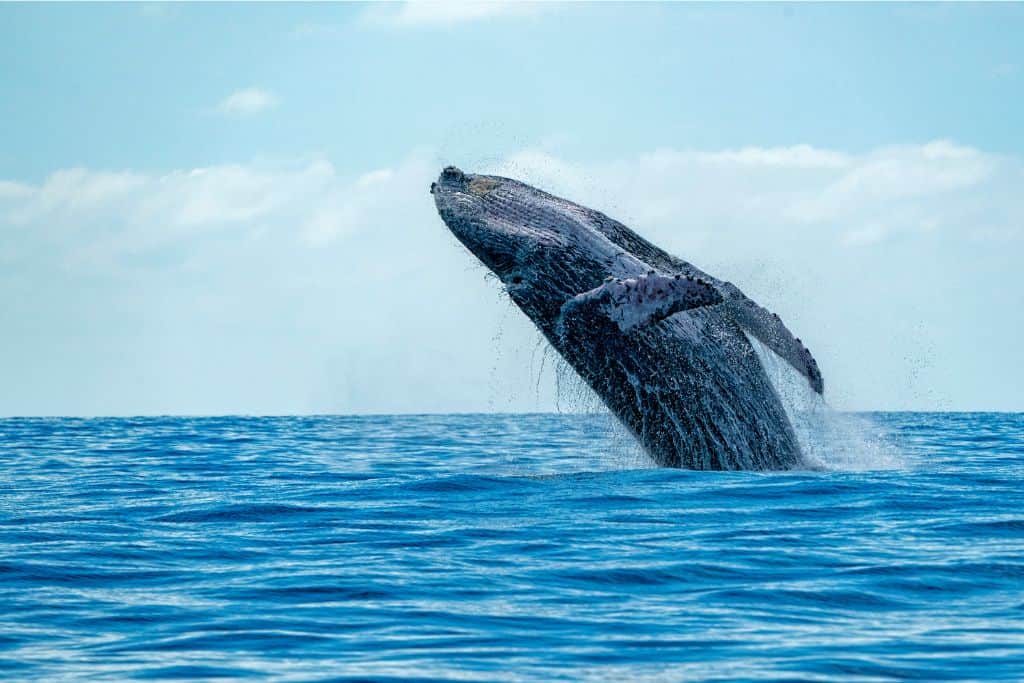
{"x":502,"y":547}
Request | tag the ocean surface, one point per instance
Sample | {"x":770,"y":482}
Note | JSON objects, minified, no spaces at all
{"x":502,"y":547}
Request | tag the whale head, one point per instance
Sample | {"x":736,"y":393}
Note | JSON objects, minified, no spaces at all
{"x":544,"y":249}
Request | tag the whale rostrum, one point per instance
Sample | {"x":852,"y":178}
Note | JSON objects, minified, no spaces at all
{"x":666,"y":346}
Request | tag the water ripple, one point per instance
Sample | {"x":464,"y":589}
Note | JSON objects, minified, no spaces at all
{"x":499,"y":547}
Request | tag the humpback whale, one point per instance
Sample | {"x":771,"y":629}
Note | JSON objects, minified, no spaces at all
{"x":668,"y":348}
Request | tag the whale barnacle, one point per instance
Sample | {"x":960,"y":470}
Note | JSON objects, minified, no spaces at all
{"x":481,"y":186}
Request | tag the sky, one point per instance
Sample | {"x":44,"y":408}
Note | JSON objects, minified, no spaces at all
{"x":224,"y":209}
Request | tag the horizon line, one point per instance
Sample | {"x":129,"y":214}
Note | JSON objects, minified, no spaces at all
{"x":440,"y":414}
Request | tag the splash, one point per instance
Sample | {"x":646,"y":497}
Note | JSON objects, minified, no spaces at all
{"x":621,"y":450}
{"x":828,"y":439}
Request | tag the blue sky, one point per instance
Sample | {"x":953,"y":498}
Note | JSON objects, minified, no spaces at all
{"x":223,"y":208}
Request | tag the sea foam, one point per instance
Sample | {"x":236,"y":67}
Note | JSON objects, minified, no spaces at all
{"x":828,"y":438}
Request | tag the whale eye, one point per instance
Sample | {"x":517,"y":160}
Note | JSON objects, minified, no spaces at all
{"x":517,"y":280}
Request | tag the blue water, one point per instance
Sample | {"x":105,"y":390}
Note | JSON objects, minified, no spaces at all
{"x":499,"y":548}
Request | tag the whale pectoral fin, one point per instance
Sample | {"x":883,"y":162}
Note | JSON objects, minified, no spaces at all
{"x":770,"y":331}
{"x":635,"y":302}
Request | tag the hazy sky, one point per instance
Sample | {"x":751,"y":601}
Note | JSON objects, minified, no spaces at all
{"x":225,"y":208}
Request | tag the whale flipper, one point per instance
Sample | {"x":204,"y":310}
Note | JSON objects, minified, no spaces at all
{"x":770,"y":331}
{"x":635,"y":302}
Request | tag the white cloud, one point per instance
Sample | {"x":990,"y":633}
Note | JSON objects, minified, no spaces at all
{"x":9,"y":189}
{"x":141,"y":210}
{"x":893,"y":174}
{"x":301,"y":287}
{"x":824,"y":193}
{"x":800,"y":156}
{"x":444,"y":13}
{"x":247,"y":102}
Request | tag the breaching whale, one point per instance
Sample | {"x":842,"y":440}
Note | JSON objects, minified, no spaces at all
{"x":668,"y":348}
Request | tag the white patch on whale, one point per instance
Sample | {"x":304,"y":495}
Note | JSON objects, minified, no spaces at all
{"x":828,"y":439}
